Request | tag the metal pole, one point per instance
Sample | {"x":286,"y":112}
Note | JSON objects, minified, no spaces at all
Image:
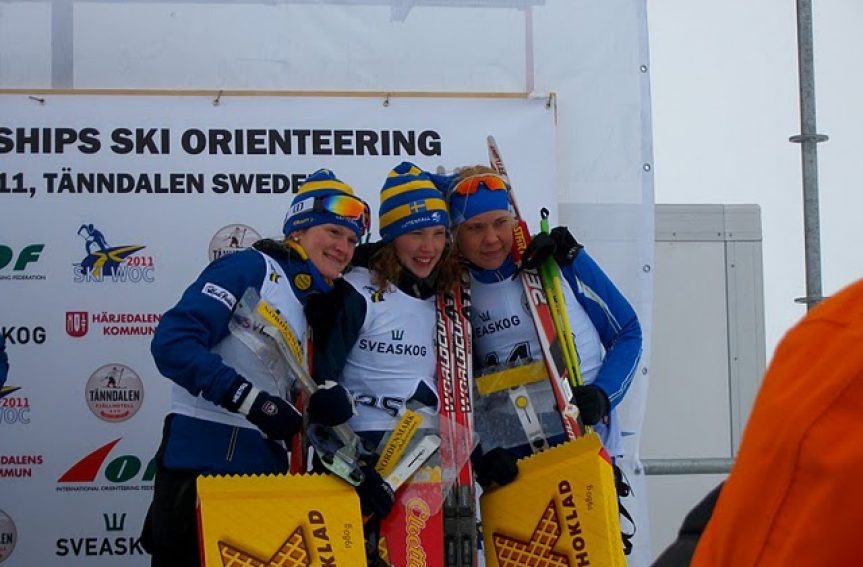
{"x":809,"y":140}
{"x":686,"y":466}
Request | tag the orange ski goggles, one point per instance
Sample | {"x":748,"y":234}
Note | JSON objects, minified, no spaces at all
{"x":471,"y":184}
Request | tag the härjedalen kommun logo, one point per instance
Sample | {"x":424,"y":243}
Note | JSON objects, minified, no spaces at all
{"x":96,"y":472}
{"x":16,"y":263}
{"x":77,"y":323}
{"x":8,"y":536}
{"x":13,"y":409}
{"x":112,"y":324}
{"x":19,"y":466}
{"x":232,"y":238}
{"x":105,"y":263}
{"x":114,"y":392}
{"x":114,"y":541}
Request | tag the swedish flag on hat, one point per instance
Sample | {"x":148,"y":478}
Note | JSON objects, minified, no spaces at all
{"x":313,"y":205}
{"x":410,"y":201}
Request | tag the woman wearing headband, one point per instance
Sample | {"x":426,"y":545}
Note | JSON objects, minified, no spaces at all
{"x":228,"y":415}
{"x":606,"y":330}
{"x":377,"y":340}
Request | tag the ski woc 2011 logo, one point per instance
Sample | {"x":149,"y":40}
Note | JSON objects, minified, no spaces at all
{"x":104,"y":262}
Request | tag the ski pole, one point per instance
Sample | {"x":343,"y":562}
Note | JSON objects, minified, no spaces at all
{"x":553,"y":290}
{"x":551,"y":277}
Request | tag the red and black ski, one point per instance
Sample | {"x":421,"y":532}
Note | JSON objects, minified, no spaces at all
{"x":456,"y":425}
{"x":552,"y":350}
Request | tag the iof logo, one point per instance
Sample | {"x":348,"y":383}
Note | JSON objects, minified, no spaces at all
{"x":114,"y":393}
{"x":8,"y":536}
{"x":232,"y":238}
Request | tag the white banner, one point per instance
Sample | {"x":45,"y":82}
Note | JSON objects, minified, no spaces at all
{"x":169,"y":182}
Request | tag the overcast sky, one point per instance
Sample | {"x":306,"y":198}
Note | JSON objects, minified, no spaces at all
{"x":725,"y":100}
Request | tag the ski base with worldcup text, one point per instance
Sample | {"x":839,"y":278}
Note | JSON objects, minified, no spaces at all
{"x":456,"y":427}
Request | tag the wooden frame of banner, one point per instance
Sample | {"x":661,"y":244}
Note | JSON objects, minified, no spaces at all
{"x":550,"y":102}
{"x":222,"y":93}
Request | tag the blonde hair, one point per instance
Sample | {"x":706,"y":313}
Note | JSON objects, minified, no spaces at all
{"x":468,"y":170}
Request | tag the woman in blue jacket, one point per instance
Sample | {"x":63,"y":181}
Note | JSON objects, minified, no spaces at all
{"x":228,"y":415}
{"x":605,"y":327}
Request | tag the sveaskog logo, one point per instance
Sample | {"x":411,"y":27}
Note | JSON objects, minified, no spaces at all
{"x":22,"y":334}
{"x":115,"y":540}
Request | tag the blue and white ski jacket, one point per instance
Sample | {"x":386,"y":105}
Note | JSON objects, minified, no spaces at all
{"x":193,"y":347}
{"x":606,"y":328}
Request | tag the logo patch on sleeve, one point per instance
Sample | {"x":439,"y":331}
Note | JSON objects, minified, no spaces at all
{"x":303,"y":281}
{"x":220,"y":294}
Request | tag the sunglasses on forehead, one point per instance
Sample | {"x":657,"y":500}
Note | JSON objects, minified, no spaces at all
{"x":346,"y":206}
{"x":471,"y":184}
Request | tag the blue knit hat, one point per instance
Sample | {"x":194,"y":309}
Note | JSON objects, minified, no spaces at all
{"x":410,"y":201}
{"x":311,"y":205}
{"x":482,"y":200}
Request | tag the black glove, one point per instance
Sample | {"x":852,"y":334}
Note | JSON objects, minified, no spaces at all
{"x":275,"y":417}
{"x":559,"y":244}
{"x":592,"y":403}
{"x":331,"y":404}
{"x":540,"y":249}
{"x":566,"y":247}
{"x":498,"y":466}
{"x":376,"y":495}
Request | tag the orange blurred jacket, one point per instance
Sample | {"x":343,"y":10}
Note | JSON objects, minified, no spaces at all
{"x":795,"y":492}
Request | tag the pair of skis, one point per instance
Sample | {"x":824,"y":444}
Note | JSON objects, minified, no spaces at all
{"x":455,"y":374}
{"x":455,"y":377}
{"x":554,"y":346}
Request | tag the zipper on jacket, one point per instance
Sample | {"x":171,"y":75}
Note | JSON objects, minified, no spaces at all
{"x":232,"y":443}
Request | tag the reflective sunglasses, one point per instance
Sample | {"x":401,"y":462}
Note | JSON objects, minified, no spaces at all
{"x":470,"y":184}
{"x":346,"y":206}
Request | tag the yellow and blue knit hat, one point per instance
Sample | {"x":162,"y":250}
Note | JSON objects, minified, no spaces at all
{"x":323,"y":199}
{"x":410,"y":201}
